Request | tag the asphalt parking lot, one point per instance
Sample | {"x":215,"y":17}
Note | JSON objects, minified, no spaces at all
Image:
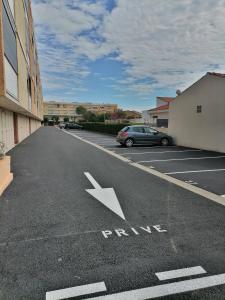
{"x":205,"y":169}
{"x":79,"y":223}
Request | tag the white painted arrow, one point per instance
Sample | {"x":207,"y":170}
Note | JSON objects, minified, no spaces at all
{"x":106,"y":196}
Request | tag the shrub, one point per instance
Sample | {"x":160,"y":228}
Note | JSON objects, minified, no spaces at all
{"x":105,"y":128}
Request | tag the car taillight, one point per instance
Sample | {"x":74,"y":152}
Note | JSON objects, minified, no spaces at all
{"x":123,"y":134}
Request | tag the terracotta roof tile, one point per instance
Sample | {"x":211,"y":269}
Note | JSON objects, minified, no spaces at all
{"x":162,"y":107}
{"x":166,"y":99}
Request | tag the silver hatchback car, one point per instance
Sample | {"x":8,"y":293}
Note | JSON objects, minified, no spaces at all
{"x":140,"y":134}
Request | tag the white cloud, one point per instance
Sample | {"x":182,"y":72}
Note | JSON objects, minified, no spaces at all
{"x":171,"y":43}
{"x":59,"y":25}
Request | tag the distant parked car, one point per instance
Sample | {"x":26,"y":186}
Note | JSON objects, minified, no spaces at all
{"x":140,"y":134}
{"x":73,"y":126}
{"x":62,"y":125}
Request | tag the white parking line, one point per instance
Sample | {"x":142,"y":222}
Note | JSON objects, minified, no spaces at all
{"x":196,"y":171}
{"x":96,"y":136}
{"x":105,"y":144}
{"x":180,"y":273}
{"x":98,"y":140}
{"x":167,"y":289}
{"x":76,"y":291}
{"x":155,"y":152}
{"x":102,"y":140}
{"x":178,"y":159}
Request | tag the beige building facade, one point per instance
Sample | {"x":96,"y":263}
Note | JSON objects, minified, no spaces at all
{"x":21,"y":100}
{"x":64,"y":110}
{"x":197,"y":115}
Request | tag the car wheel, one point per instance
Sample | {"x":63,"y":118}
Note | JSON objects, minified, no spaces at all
{"x":164,"y":142}
{"x":129,"y":143}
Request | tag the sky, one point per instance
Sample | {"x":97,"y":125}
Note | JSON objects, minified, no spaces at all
{"x":126,"y":51}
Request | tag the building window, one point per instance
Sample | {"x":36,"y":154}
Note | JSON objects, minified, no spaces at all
{"x":11,"y":5}
{"x":199,"y":109}
{"x":10,"y":79}
{"x":9,"y":39}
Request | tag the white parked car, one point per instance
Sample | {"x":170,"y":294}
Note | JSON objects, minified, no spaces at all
{"x":62,"y":125}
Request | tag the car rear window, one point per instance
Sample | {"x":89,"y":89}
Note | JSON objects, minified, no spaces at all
{"x":125,"y":129}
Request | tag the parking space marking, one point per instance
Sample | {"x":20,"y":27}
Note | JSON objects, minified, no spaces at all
{"x":178,"y":159}
{"x":106,"y":145}
{"x":98,"y":140}
{"x":142,"y":147}
{"x":101,"y":141}
{"x":167,"y":289}
{"x":195,"y":171}
{"x":161,"y":152}
{"x":199,"y":191}
{"x":191,"y":182}
{"x":76,"y":291}
{"x":180,"y":273}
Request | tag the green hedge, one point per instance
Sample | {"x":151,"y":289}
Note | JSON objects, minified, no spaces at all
{"x":105,"y":128}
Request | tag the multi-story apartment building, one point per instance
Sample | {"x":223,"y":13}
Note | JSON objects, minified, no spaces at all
{"x":64,"y":110}
{"x":21,"y":101}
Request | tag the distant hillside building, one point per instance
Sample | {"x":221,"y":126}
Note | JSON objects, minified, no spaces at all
{"x":20,"y":84}
{"x":64,"y":110}
{"x":132,"y":114}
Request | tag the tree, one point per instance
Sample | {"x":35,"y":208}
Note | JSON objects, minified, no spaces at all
{"x":119,"y":114}
{"x":100,"y":118}
{"x":66,"y":119}
{"x":89,"y":116}
{"x":80,"y":110}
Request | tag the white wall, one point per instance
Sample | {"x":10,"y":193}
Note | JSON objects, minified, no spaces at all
{"x":204,"y":130}
{"x":159,"y":114}
{"x":35,"y":124}
{"x":6,"y":129}
{"x":23,"y":127}
{"x":146,"y":116}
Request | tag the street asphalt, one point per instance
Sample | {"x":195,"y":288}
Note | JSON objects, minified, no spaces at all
{"x":55,"y":235}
